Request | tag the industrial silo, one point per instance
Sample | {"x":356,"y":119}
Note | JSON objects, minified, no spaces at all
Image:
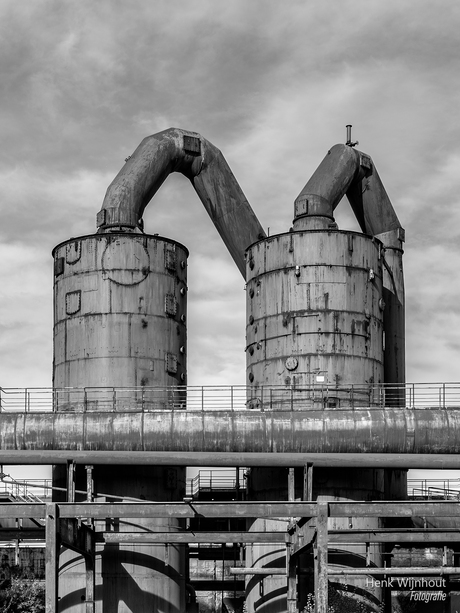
{"x":315,"y":341}
{"x":120,"y":322}
{"x":315,"y":317}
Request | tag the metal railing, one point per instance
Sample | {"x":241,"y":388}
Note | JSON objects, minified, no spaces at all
{"x":32,"y":490}
{"x":433,"y":489}
{"x":214,"y":480}
{"x":224,"y":479}
{"x":229,"y":398}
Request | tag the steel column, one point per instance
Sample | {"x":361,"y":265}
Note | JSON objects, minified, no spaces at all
{"x":90,"y":581}
{"x":307,"y":481}
{"x":51,"y":557}
{"x":291,"y":568}
{"x":320,"y":559}
{"x":291,"y":484}
{"x":70,"y":481}
{"x":89,"y":483}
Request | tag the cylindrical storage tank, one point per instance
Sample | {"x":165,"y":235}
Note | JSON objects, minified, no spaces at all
{"x":314,"y":338}
{"x":315,"y":319}
{"x":119,"y":318}
{"x":120,"y":344}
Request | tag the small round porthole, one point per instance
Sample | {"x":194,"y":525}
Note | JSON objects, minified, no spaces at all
{"x":291,"y":363}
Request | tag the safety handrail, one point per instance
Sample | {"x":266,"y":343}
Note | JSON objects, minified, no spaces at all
{"x":229,"y":397}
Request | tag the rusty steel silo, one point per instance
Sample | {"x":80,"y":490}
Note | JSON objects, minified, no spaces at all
{"x":120,"y":322}
{"x":315,"y":317}
{"x":315,"y":340}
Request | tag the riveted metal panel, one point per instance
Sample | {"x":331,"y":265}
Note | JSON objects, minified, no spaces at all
{"x":170,"y":258}
{"x":73,"y":251}
{"x":170,"y":305}
{"x":192,"y":144}
{"x":72,"y":302}
{"x":171,"y":363}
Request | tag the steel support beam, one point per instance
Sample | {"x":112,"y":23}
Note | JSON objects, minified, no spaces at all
{"x":257,"y":571}
{"x":320,"y":559}
{"x":23,"y":510}
{"x":307,"y":493}
{"x":183,"y":510}
{"x":51,"y":558}
{"x":444,"y":508}
{"x":401,"y":572}
{"x":70,"y":481}
{"x":422,"y":537}
{"x":89,"y":483}
{"x":244,"y":459}
{"x":190,"y":537}
{"x":235,"y":509}
{"x":291,"y":571}
{"x":76,"y":536}
{"x":291,"y":484}
{"x":90,"y":575}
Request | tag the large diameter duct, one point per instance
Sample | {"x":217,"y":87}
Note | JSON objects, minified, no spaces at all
{"x":176,"y":150}
{"x":377,"y":217}
{"x":393,"y":431}
{"x":120,"y":309}
{"x":314,"y":206}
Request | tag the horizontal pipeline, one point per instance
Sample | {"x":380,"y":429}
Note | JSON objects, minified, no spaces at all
{"x":397,"y":572}
{"x":219,"y":458}
{"x":371,"y":431}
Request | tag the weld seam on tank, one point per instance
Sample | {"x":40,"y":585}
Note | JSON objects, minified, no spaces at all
{"x":313,"y":333}
{"x":316,"y":353}
{"x":313,"y":313}
{"x":329,"y":231}
{"x":285,"y":269}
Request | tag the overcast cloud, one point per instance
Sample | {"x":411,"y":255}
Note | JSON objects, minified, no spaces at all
{"x":272,"y":85}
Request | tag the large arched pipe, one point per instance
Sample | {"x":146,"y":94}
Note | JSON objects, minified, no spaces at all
{"x":176,"y":150}
{"x":327,"y":186}
{"x":347,"y":171}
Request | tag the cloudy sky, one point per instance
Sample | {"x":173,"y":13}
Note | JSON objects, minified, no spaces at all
{"x":272,"y":85}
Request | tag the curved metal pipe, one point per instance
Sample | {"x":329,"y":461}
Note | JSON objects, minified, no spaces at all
{"x":328,"y":184}
{"x":176,"y":150}
{"x":388,"y":431}
{"x":347,"y":171}
{"x":371,"y":204}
